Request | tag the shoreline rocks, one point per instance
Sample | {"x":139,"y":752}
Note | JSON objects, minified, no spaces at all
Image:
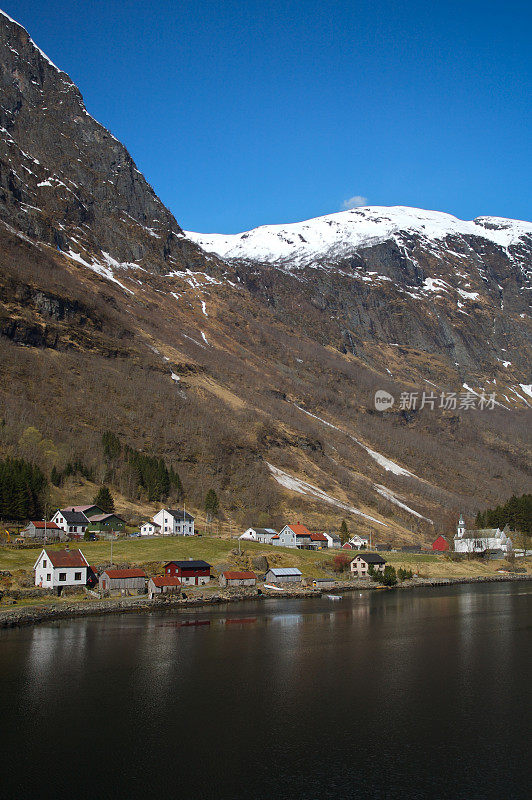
{"x":37,"y":614}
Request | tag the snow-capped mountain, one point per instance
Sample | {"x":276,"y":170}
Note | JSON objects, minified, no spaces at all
{"x":396,"y":275}
{"x":337,"y":235}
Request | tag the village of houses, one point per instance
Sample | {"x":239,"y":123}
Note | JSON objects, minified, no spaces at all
{"x":57,"y":570}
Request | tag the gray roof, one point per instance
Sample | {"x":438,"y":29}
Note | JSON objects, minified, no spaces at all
{"x":279,"y":571}
{"x":370,"y":558}
{"x":103,"y":517}
{"x":481,"y":533}
{"x":74,"y":517}
{"x":268,"y":531}
{"x":180,"y":514}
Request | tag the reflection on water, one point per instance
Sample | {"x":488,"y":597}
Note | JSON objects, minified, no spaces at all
{"x":370,"y":697}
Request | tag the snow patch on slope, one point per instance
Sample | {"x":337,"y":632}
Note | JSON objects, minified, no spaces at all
{"x":386,"y":463}
{"x":302,"y":487}
{"x":389,"y":495}
{"x":101,"y":269}
{"x":383,"y":461}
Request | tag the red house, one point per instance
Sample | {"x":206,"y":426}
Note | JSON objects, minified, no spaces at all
{"x":440,"y":545}
{"x":193,"y":573}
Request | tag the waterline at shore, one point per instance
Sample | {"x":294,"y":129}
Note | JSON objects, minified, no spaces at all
{"x":33,"y":615}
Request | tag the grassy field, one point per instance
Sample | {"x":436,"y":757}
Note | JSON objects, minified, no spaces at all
{"x":437,"y":566}
{"x":154,"y":552}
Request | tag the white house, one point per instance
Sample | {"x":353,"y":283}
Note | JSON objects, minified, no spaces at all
{"x":262,"y":535}
{"x":356,"y":542}
{"x":296,"y":535}
{"x":150,"y":529}
{"x":55,"y":569}
{"x":71,"y":521}
{"x":174,"y":523}
{"x":333,"y":540}
{"x":478,"y":540}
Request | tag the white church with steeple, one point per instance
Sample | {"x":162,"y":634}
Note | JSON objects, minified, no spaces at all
{"x":476,"y":541}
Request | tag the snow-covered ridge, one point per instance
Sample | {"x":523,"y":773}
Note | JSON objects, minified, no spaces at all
{"x":335,"y":234}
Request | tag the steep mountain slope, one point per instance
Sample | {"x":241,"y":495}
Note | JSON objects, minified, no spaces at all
{"x":250,"y":370}
{"x":65,"y":180}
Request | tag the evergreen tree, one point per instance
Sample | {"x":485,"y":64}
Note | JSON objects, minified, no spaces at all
{"x":111,"y":445}
{"x":22,"y":490}
{"x":55,"y":476}
{"x":389,"y":576}
{"x":344,"y":532}
{"x":104,"y":499}
{"x":516,"y":513}
{"x":211,"y":504}
{"x":176,"y":487}
{"x":151,"y":477}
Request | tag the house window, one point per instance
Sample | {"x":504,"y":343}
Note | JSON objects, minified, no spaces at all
{"x":44,"y":563}
{"x":48,"y":576}
{"x":62,"y":576}
{"x":77,"y":576}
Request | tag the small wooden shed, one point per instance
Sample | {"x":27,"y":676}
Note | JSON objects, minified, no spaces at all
{"x":128,"y":581}
{"x":162,"y":584}
{"x":38,"y":529}
{"x":243,"y":578}
{"x":283,"y":575}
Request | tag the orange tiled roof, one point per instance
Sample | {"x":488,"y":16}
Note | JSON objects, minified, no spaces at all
{"x":299,"y":529}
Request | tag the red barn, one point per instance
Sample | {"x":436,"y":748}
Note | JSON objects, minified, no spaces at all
{"x":195,"y":573}
{"x":440,"y":545}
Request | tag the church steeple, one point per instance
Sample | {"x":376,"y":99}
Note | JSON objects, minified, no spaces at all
{"x":461,"y":526}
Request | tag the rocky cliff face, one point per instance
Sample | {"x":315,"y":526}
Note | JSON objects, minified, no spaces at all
{"x":64,"y":179}
{"x":251,"y":362}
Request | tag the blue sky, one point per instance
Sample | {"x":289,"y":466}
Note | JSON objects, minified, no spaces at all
{"x":248,"y":113}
